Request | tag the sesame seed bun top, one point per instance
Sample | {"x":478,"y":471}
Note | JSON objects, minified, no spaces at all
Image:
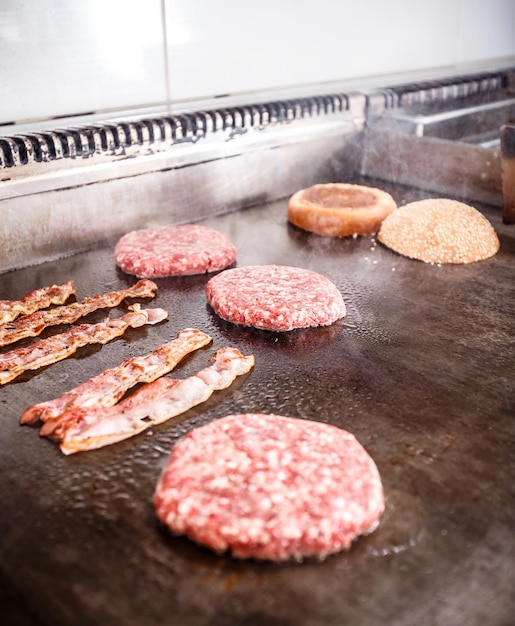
{"x":439,"y":230}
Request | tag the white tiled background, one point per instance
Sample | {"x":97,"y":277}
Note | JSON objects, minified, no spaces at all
{"x":60,"y":58}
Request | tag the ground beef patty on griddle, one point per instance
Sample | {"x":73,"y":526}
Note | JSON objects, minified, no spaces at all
{"x":270,"y":487}
{"x":275,"y":297}
{"x":174,"y":251}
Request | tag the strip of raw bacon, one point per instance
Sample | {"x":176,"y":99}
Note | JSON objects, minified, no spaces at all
{"x":109,"y":386}
{"x":35,"y":300}
{"x":59,"y":347}
{"x":34,"y":324}
{"x":154,"y":403}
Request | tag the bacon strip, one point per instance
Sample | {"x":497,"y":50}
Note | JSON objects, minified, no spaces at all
{"x":59,"y":347}
{"x":34,"y":324}
{"x":35,"y":300}
{"x":109,"y":386}
{"x":154,"y":403}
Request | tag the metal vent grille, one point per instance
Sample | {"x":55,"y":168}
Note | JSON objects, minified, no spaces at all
{"x":448,"y":89}
{"x":157,"y":133}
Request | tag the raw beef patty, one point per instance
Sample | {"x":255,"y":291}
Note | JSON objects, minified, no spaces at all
{"x":275,"y":297}
{"x":270,"y":487}
{"x":174,"y":251}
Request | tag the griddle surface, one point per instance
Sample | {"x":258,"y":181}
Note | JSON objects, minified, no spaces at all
{"x":421,"y":371}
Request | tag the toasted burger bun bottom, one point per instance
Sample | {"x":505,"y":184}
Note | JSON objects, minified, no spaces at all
{"x":340,"y":209}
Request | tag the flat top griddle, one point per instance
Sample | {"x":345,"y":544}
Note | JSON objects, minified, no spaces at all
{"x":421,"y":371}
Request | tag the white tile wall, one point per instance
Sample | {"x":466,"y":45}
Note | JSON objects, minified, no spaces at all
{"x":238,"y":45}
{"x":487,"y":29}
{"x":60,"y":58}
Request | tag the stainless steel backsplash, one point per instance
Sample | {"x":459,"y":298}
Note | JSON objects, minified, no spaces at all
{"x":69,"y":189}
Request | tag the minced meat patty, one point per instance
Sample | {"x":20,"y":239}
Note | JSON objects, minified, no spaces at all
{"x":275,"y":297}
{"x":174,"y":251}
{"x":270,"y":487}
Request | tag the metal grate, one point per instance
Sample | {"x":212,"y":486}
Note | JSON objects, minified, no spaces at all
{"x":443,"y":90}
{"x":157,"y":133}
